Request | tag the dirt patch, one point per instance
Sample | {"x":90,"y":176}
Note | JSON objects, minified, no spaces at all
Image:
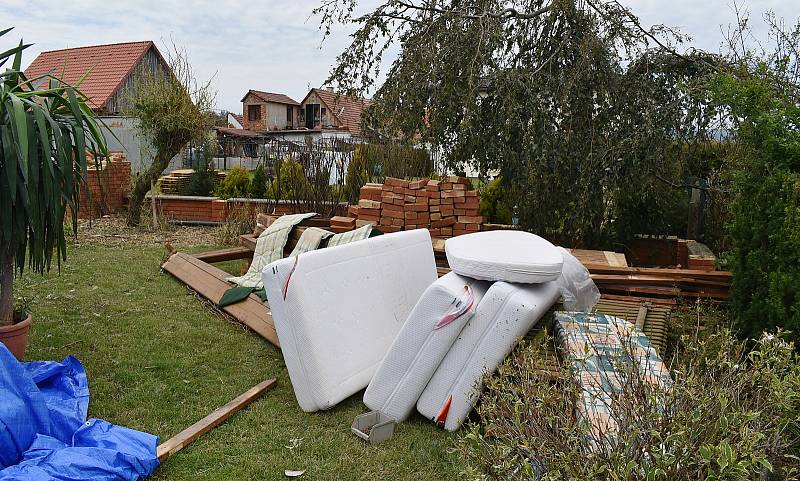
{"x":111,"y":231}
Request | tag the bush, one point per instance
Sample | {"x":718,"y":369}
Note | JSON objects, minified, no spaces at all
{"x":258,"y":184}
{"x":765,"y":229}
{"x":497,"y":203}
{"x":236,"y":184}
{"x":291,"y":183}
{"x":730,"y":415}
{"x":374,"y":162}
{"x":202,"y":181}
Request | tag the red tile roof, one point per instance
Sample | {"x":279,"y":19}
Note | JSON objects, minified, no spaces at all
{"x":271,"y":97}
{"x":347,"y":109}
{"x":110,"y":65}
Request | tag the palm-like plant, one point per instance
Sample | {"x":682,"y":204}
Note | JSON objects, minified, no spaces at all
{"x":46,"y":129}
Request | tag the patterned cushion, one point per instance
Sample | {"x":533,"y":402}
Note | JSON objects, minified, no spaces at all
{"x":595,"y":345}
{"x":350,"y":236}
{"x":269,"y":248}
{"x":310,"y":240}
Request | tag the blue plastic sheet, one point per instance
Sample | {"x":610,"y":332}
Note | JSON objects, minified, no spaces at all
{"x":44,"y":433}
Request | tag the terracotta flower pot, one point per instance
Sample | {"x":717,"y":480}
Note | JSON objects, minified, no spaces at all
{"x":15,"y":337}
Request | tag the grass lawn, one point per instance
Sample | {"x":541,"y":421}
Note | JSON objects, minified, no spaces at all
{"x":158,"y":361}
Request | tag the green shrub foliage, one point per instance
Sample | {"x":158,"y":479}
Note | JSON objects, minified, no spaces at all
{"x":258,"y":184}
{"x":765,"y":229}
{"x":374,"y":162}
{"x":497,"y":202}
{"x":236,"y":184}
{"x":730,"y":415}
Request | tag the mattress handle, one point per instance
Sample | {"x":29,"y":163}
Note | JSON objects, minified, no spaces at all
{"x":289,"y":277}
{"x":462,"y":306}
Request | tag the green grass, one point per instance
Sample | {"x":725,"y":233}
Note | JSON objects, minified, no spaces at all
{"x":158,"y":361}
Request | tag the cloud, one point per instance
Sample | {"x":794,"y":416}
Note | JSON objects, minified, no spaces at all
{"x":273,"y":45}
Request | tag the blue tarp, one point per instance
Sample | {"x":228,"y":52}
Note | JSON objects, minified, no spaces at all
{"x":44,"y":433}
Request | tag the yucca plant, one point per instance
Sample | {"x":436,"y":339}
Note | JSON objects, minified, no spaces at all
{"x":46,"y":130}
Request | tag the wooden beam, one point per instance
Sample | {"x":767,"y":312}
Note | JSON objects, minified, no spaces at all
{"x":222,"y":255}
{"x":209,"y":282}
{"x":219,"y":416}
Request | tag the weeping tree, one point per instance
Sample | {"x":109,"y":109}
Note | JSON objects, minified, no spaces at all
{"x":46,"y":130}
{"x":172,"y":109}
{"x":572,"y":100}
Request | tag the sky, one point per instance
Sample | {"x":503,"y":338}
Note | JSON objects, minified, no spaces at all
{"x":275,"y":45}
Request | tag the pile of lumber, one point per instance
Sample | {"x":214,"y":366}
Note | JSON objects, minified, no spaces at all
{"x":661,"y":283}
{"x":446,"y":207}
{"x":176,"y":182}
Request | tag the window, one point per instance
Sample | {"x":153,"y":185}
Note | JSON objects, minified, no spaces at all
{"x":289,"y":110}
{"x":253,"y":112}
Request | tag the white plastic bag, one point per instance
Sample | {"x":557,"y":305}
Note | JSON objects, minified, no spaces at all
{"x":577,"y":287}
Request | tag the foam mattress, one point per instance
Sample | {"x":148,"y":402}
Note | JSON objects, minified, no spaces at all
{"x":506,"y":313}
{"x":504,"y":255}
{"x":422,"y":343}
{"x":337,"y":310}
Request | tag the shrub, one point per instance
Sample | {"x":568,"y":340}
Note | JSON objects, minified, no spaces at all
{"x":203,"y":180}
{"x":236,"y":184}
{"x":766,"y":210}
{"x":730,"y":415}
{"x":258,"y":184}
{"x":373,"y":162}
{"x":497,"y":202}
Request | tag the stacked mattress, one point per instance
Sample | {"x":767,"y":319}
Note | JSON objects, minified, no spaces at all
{"x":506,"y":313}
{"x":440,"y":369}
{"x":337,"y":310}
{"x":422,"y":343}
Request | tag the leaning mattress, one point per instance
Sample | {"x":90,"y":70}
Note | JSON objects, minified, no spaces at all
{"x":422,"y":343}
{"x":506,"y":313}
{"x":337,"y":310}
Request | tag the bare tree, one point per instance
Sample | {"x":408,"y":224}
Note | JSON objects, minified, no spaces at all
{"x":172,"y":109}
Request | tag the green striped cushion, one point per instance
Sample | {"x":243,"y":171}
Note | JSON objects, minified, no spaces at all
{"x":350,"y":236}
{"x":310,"y":240}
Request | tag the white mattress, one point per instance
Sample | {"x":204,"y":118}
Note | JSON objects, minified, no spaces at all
{"x":506,"y":313}
{"x":343,"y":308}
{"x":504,"y":255}
{"x":422,"y":343}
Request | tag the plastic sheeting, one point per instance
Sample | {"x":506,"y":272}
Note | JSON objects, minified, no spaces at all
{"x":44,"y":433}
{"x":578,"y":290}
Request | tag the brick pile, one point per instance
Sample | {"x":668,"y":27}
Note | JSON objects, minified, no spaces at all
{"x":107,"y":186}
{"x":446,"y":207}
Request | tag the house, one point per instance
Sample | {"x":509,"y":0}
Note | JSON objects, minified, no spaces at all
{"x":325,"y":110}
{"x":269,"y":111}
{"x":110,"y":73}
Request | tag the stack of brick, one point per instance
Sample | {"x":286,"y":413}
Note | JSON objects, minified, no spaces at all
{"x":107,"y":186}
{"x":341,"y":224}
{"x":447,"y":207}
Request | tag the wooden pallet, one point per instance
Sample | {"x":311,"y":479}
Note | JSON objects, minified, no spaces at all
{"x":649,"y":315}
{"x":209,"y":282}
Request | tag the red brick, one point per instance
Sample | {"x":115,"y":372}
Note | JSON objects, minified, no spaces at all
{"x":395,"y":182}
{"x":470,"y":219}
{"x":417,"y":184}
{"x":432,"y":185}
{"x":448,"y":221}
{"x":369,"y":212}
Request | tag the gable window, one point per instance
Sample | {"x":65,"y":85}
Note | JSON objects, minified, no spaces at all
{"x":253,"y":112}
{"x":289,"y":110}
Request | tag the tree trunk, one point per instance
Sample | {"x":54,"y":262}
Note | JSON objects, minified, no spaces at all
{"x":148,"y":178}
{"x":7,"y":285}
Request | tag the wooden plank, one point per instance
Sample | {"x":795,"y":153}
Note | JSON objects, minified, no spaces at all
{"x":219,"y":416}
{"x":222,"y":255}
{"x":209,"y":282}
{"x":660,"y":272}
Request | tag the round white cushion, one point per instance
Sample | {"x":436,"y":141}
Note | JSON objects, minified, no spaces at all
{"x":504,"y":255}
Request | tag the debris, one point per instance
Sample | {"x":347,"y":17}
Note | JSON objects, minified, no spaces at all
{"x":294,"y":474}
{"x":219,"y":416}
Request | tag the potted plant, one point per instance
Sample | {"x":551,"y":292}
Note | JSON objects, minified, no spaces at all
{"x":46,"y":129}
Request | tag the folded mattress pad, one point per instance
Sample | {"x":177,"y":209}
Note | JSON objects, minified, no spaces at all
{"x":422,"y":343}
{"x":337,"y":310}
{"x":506,"y":313}
{"x":504,"y":255}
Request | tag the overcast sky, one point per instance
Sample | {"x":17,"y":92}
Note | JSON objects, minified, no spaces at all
{"x":273,"y":45}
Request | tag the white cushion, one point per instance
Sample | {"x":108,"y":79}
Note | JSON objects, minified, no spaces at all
{"x":504,"y":255}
